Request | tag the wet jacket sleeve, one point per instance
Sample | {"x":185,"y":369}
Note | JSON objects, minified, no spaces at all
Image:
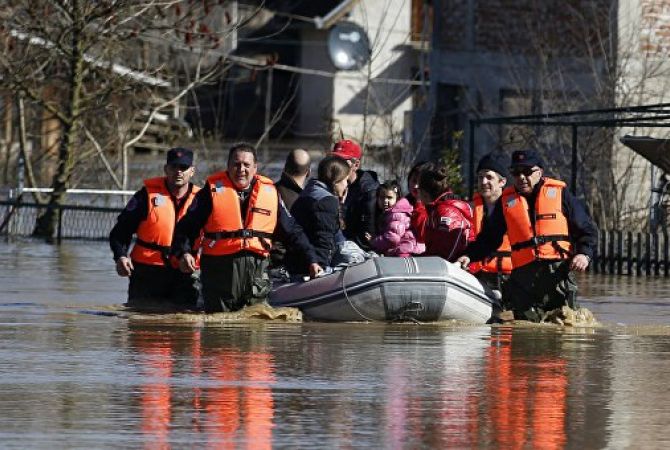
{"x":369,"y":203}
{"x":127,"y":223}
{"x":361,"y":210}
{"x":583,"y":232}
{"x":327,"y":215}
{"x":419,"y":219}
{"x":491,"y":235}
{"x":290,"y":232}
{"x":188,"y":228}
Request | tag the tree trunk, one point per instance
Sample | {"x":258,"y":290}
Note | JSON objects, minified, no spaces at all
{"x":23,"y":146}
{"x":46,"y":223}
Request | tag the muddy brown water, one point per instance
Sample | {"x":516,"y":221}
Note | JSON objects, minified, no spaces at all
{"x":73,"y":379}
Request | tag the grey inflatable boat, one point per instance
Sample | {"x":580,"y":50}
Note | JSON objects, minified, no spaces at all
{"x":391,"y":289}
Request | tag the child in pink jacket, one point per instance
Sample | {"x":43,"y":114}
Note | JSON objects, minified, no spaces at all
{"x":394,"y":235}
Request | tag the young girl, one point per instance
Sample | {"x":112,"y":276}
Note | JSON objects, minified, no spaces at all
{"x":394,"y":236}
{"x":317,"y":210}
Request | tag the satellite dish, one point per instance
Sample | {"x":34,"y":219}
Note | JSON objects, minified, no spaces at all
{"x":348,"y":46}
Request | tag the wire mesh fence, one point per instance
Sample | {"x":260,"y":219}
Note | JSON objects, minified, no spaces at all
{"x":74,"y":221}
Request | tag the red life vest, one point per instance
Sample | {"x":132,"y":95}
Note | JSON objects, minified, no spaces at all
{"x":448,"y":229}
{"x":501,"y":260}
{"x":549,"y":238}
{"x":225,"y":232}
{"x":154,"y":234}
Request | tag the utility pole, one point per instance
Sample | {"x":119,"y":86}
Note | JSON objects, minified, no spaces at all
{"x":268,"y":114}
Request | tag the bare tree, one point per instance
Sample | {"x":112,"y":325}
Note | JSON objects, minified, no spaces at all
{"x":589,"y":59}
{"x":385,"y":86}
{"x":97,"y":67}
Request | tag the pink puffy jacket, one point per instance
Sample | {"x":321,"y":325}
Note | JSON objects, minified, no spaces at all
{"x":396,"y":237}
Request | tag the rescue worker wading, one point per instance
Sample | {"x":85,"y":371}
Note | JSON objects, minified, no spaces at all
{"x":240,"y":213}
{"x":495,"y":269}
{"x":550,"y":234}
{"x":151,"y":214}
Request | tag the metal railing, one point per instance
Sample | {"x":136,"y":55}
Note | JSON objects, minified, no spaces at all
{"x":628,"y":253}
{"x":18,"y":218}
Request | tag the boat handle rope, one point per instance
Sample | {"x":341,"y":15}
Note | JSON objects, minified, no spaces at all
{"x":344,"y":290}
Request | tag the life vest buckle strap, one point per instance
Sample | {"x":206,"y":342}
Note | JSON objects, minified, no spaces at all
{"x":244,"y":233}
{"x":539,"y":240}
{"x":164,"y":250}
{"x":153,"y":246}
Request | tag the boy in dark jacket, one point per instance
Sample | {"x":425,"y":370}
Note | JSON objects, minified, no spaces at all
{"x":361,"y":200}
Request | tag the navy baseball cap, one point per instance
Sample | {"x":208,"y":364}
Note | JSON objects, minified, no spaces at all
{"x":528,"y":158}
{"x":180,"y":155}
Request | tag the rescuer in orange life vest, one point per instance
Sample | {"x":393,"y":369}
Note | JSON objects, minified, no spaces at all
{"x":152,"y":214}
{"x":550,"y":234}
{"x":240,"y":213}
{"x":495,"y":269}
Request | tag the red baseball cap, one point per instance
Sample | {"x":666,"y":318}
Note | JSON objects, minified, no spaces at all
{"x":347,"y":149}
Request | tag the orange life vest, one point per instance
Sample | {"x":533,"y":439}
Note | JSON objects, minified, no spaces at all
{"x":154,"y":234}
{"x":549,"y":238}
{"x":500,"y":261}
{"x":225,"y":232}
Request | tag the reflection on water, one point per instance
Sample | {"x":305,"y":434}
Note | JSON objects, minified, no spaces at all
{"x":71,"y":380}
{"x":227,"y":400}
{"x":627,"y":300}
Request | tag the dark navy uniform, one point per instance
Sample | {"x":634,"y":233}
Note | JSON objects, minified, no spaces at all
{"x":544,"y":284}
{"x":223,"y":281}
{"x":163,"y":284}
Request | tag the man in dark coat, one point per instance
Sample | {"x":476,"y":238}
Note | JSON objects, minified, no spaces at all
{"x":360,"y":203}
{"x":234,"y":261}
{"x":542,"y":266}
{"x":293,"y":178}
{"x":154,"y":282}
{"x":297,"y":169}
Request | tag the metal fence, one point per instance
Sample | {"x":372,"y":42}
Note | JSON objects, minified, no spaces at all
{"x":74,"y":221}
{"x":628,"y":253}
{"x":619,"y":252}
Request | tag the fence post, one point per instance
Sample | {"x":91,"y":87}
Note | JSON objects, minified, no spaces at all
{"x":59,"y":234}
{"x":610,"y":248}
{"x":665,"y":254}
{"x":657,"y":254}
{"x":619,"y":252}
{"x":647,"y":251}
{"x":603,"y":261}
{"x":629,"y":253}
{"x":638,"y":256}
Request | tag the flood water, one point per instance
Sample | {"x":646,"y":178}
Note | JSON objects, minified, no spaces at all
{"x":71,"y":379}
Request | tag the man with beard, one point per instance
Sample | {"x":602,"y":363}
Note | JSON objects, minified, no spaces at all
{"x":151,"y":214}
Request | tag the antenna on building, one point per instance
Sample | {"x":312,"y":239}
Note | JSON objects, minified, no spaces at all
{"x":348,"y":46}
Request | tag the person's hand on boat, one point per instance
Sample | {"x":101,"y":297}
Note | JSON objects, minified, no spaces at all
{"x":124,"y":266}
{"x":464,"y":261}
{"x":315,"y":270}
{"x":187,"y":263}
{"x":368,"y":236}
{"x":579,"y":262}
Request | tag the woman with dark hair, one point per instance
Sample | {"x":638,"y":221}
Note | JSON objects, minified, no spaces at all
{"x":419,"y":214}
{"x":449,"y":227}
{"x":317,"y":210}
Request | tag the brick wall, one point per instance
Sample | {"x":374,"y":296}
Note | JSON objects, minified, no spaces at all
{"x":655,"y":24}
{"x":562,"y":27}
